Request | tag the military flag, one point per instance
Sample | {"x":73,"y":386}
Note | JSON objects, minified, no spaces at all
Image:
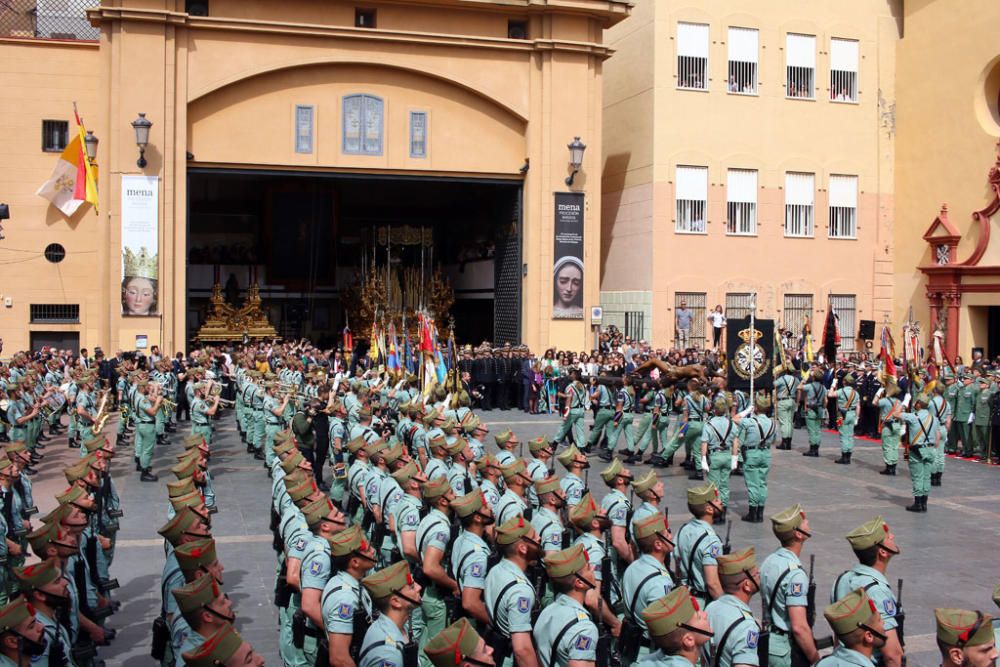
{"x":831,"y":335}
{"x":392,"y":358}
{"x":887,"y":353}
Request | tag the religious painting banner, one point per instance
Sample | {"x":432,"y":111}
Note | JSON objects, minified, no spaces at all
{"x":749,"y":353}
{"x":140,"y":245}
{"x":567,"y":269}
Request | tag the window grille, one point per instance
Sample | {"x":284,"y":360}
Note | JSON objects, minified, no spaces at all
{"x":743,"y":61}
{"x":799,"y":203}
{"x":363,"y":125}
{"x":800,"y":65}
{"x":738,"y":305}
{"x":55,"y":135}
{"x":798,"y":309}
{"x":844,"y":70}
{"x":691,"y":193}
{"x":48,"y":19}
{"x":692,"y":56}
{"x":843,"y":207}
{"x":844,"y":307}
{"x":696,"y":304}
{"x":55,"y":313}
{"x":741,"y":202}
{"x":635,"y":322}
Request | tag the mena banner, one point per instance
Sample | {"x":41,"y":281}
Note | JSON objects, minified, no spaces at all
{"x":567,"y":270}
{"x":140,"y":245}
{"x":749,"y":352}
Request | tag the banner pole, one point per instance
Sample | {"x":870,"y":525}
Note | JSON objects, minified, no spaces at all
{"x":753,"y":341}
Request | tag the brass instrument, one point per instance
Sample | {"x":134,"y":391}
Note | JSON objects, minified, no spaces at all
{"x":226,"y":403}
{"x":166,"y":405}
{"x":102,"y":413}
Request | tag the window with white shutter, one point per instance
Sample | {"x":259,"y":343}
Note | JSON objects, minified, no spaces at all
{"x":799,"y":203}
{"x":691,"y":193}
{"x":741,"y":201}
{"x":844,"y":70}
{"x":843,"y":207}
{"x":800,"y":66}
{"x":743,"y":44}
{"x":692,"y":56}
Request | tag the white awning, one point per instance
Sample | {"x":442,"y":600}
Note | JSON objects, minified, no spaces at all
{"x":692,"y":40}
{"x":741,"y":186}
{"x":844,"y":55}
{"x":692,"y":183}
{"x":743,"y":44}
{"x":800,"y":50}
{"x":844,"y":191}
{"x":800,"y":188}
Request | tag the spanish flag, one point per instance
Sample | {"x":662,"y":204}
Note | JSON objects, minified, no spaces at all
{"x":74,"y":180}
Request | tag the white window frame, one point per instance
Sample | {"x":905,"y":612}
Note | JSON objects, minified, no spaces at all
{"x":846,"y":308}
{"x":845,"y":55}
{"x":741,"y":202}
{"x":800,"y":204}
{"x":693,"y":40}
{"x":800,"y":63}
{"x":842,"y":207}
{"x":743,"y":64}
{"x":691,"y":197}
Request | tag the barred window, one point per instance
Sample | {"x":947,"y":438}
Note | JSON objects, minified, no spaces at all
{"x":48,"y":19}
{"x":800,"y":65}
{"x":844,"y":70}
{"x":55,"y":135}
{"x":844,"y":307}
{"x":363,"y":124}
{"x":696,"y":304}
{"x":797,"y":312}
{"x":743,"y":61}
{"x":692,"y":56}
{"x":799,"y":203}
{"x":55,"y":313}
{"x":738,"y":305}
{"x":843,"y":207}
{"x":741,"y":202}
{"x":691,"y":193}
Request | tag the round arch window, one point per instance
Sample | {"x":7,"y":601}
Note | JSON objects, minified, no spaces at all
{"x":55,"y":252}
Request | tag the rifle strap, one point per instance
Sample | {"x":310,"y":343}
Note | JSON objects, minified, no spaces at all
{"x":423,"y":539}
{"x":638,"y":589}
{"x":769,"y":602}
{"x":492,"y":613}
{"x":690,"y":559}
{"x":722,"y":642}
{"x":559,"y":637}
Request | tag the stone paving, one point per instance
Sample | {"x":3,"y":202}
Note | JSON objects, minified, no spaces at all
{"x":948,"y":555}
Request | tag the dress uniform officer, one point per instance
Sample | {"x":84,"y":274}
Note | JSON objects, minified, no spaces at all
{"x":737,"y":632}
{"x":924,"y":433}
{"x":572,"y":484}
{"x":513,"y":501}
{"x":859,"y":630}
{"x":646,"y":580}
{"x":509,"y":595}
{"x":942,"y":413}
{"x":756,"y":434}
{"x":225,"y":647}
{"x":953,"y":385}
{"x":720,"y":447}
{"x":434,"y":545}
{"x":848,"y":409}
{"x":352,"y":556}
{"x":564,"y":632}
{"x":813,"y":394}
{"x":469,"y":553}
{"x":459,"y":645}
{"x":874,"y":546}
{"x":649,"y":489}
{"x":965,"y":638}
{"x":965,"y":415}
{"x":679,"y":630}
{"x":785,"y":587}
{"x":395,"y":595}
{"x":698,"y":547}
{"x":577,"y":399}
{"x":618,"y":508}
{"x":981,"y":422}
{"x":786,"y":387}
{"x":537,"y":464}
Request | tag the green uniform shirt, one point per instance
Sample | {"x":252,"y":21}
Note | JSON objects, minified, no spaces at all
{"x":876,"y":587}
{"x":468,"y":561}
{"x":646,"y":580}
{"x":383,"y":644}
{"x":719,"y":434}
{"x":792,"y":590}
{"x":741,"y":643}
{"x":573,"y":487}
{"x":510,"y":506}
{"x":339,"y":600}
{"x":697,"y":546}
{"x":577,"y":642}
{"x":848,"y":399}
{"x":509,"y":598}
{"x":965,"y":402}
{"x":845,"y":657}
{"x":756,"y":432}
{"x":549,"y":527}
{"x":983,"y":397}
{"x":815,"y":395}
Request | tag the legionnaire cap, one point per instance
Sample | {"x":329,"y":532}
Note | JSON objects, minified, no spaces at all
{"x":199,"y":593}
{"x":383,"y":583}
{"x":284,"y":447}
{"x":180,"y":487}
{"x":453,"y":644}
{"x":737,"y":562}
{"x":849,"y":612}
{"x":787,"y":520}
{"x":470,"y":423}
{"x":393,"y":454}
{"x":538,"y":444}
{"x":429,"y":418}
{"x":316,"y":511}
{"x":14,"y":613}
{"x":91,"y":445}
{"x":669,"y":612}
{"x":699,"y":495}
{"x":284,"y":436}
{"x":173,"y":530}
{"x":217,"y":648}
{"x":583,"y":512}
{"x":645,"y":483}
{"x":33,"y":577}
{"x":487,"y":461}
{"x":70,"y":495}
{"x":849,"y":378}
{"x":457,"y":447}
{"x":75,"y":472}
{"x":612,"y":471}
{"x":984,"y":380}
{"x":547,"y":485}
{"x":185,"y":468}
{"x":191,"y":499}
{"x":302,"y":489}
{"x":503,"y":437}
{"x":193,"y":440}
{"x":406,"y":473}
{"x":17,"y":447}
{"x":468,"y":504}
{"x":961,"y":627}
{"x":435,"y":488}
{"x":449,"y":424}
{"x":566,"y":562}
{"x":868,"y":534}
{"x":365,"y":413}
{"x":512,"y":530}
{"x":291,"y":462}
{"x":567,"y":456}
{"x":192,"y":555}
{"x":650,"y":525}
{"x":42,"y":536}
{"x":438,"y":442}
{"x":348,"y":541}
{"x":763,"y":402}
{"x":356,"y":445}
{"x":377,"y":447}
{"x":513,"y":470}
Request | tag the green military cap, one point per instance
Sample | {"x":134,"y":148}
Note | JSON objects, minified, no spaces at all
{"x":56,"y":516}
{"x":961,"y":627}
{"x":644,"y":483}
{"x":438,"y":442}
{"x":996,"y":595}
{"x":75,"y":472}
{"x":92,"y":444}
{"x":348,"y":541}
{"x":217,"y":648}
{"x":547,"y":485}
{"x":566,"y":562}
{"x":196,"y":554}
{"x":514,"y":469}
{"x":356,"y":444}
{"x":193,"y":440}
{"x":536,"y":445}
{"x":435,"y":488}
{"x":291,"y":462}
{"x":787,"y":520}
{"x":468,"y":504}
{"x":720,"y":403}
{"x":180,"y":487}
{"x":487,"y":460}
{"x":568,"y":455}
{"x":612,"y":471}
{"x":393,"y":453}
{"x":429,"y":418}
{"x":503,"y":437}
{"x":34,"y":576}
{"x":294,"y":478}
{"x":14,"y":613}
{"x":453,"y":644}
{"x":377,"y":447}
{"x":849,"y":612}
{"x":183,"y":520}
{"x":737,"y":562}
{"x":71,"y":495}
{"x":670,"y":612}
{"x":449,"y":424}
{"x":365,"y":413}
{"x":191,"y":499}
{"x":457,"y":447}
{"x":763,"y":401}
{"x":406,"y":473}
{"x":985,"y":380}
{"x":849,"y":378}
{"x":705,"y":493}
{"x":650,"y":525}
{"x":868,"y":534}
{"x":199,"y":593}
{"x":316,"y":510}
{"x":284,"y":436}
{"x":17,"y":447}
{"x":512,"y":530}
{"x":387,"y":581}
{"x":583,"y":512}
{"x":922,"y":398}
{"x":284,"y":447}
{"x":185,"y":468}
{"x":42,"y":536}
{"x":302,"y":489}
{"x":470,"y":423}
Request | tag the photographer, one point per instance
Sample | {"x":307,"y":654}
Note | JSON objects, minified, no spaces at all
{"x":305,"y":434}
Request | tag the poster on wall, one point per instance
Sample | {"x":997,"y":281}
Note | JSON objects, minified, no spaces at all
{"x":567,"y":270}
{"x":140,"y":245}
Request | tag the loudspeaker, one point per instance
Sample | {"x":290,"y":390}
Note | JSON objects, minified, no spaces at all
{"x":866,"y":329}
{"x":196,"y":7}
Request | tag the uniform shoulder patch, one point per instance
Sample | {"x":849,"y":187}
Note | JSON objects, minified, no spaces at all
{"x":796,"y":590}
{"x":315,"y":567}
{"x":890,"y":606}
{"x":714,"y":550}
{"x":476,"y":570}
{"x":345,"y":611}
{"x":524,"y":604}
{"x":388,"y":663}
{"x":583,"y":643}
{"x":752,"y":638}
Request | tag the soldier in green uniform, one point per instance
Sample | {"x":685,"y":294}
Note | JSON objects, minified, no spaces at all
{"x":352,"y":556}
{"x":147,"y":407}
{"x":698,"y":547}
{"x":459,"y":645}
{"x":736,"y":630}
{"x":547,"y":519}
{"x":22,"y":637}
{"x":785,"y":587}
{"x":953,"y":386}
{"x":650,"y":490}
{"x":814,"y":395}
{"x":513,"y":502}
{"x":965,"y":638}
{"x":576,"y":399}
{"x":965,"y":415}
{"x":890,"y":425}
{"x":646,"y":580}
{"x":202,"y":412}
{"x":538,"y":464}
{"x":44,"y":588}
{"x":859,"y":630}
{"x":274,"y":419}
{"x":564,"y":633}
{"x":695,"y":409}
{"x":660,"y":424}
{"x":786,"y":388}
{"x":981,"y":423}
{"x":720,"y":451}
{"x":645,"y":395}
{"x":941,"y":409}
{"x":395,"y":595}
{"x":572,"y":484}
{"x":756,"y":434}
{"x":600,"y":396}
{"x":924,"y":432}
{"x":622,"y":421}
{"x":874,"y":545}
{"x":509,"y":595}
{"x":679,"y":629}
{"x":469,"y":553}
{"x":848,"y":411}
{"x":618,"y":508}
{"x":204,"y":609}
{"x":433,"y":545}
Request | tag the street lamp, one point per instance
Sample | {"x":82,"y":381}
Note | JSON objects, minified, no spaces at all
{"x":576,"y":150}
{"x":90,"y":145}
{"x":141,"y":126}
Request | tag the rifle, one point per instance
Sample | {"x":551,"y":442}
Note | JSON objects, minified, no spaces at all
{"x":900,"y":615}
{"x":727,"y":546}
{"x":811,"y":594}
{"x":605,"y":655}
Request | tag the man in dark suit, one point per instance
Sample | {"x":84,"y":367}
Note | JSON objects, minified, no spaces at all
{"x":501,"y":366}
{"x":483,"y":376}
{"x":527,"y":376}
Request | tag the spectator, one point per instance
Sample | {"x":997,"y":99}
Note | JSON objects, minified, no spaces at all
{"x":718,"y":320}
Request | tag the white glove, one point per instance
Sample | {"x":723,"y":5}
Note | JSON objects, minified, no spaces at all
{"x":972,"y":418}
{"x":833,"y":385}
{"x":704,"y":463}
{"x":906,"y":401}
{"x":735,"y":463}
{"x":878,"y":394}
{"x":746,"y":413}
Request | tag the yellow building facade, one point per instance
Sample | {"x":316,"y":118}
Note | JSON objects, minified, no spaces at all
{"x":749,"y":149}
{"x":280,"y":128}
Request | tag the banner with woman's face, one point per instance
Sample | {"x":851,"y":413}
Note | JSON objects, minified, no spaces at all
{"x":567,"y":269}
{"x":140,"y":245}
